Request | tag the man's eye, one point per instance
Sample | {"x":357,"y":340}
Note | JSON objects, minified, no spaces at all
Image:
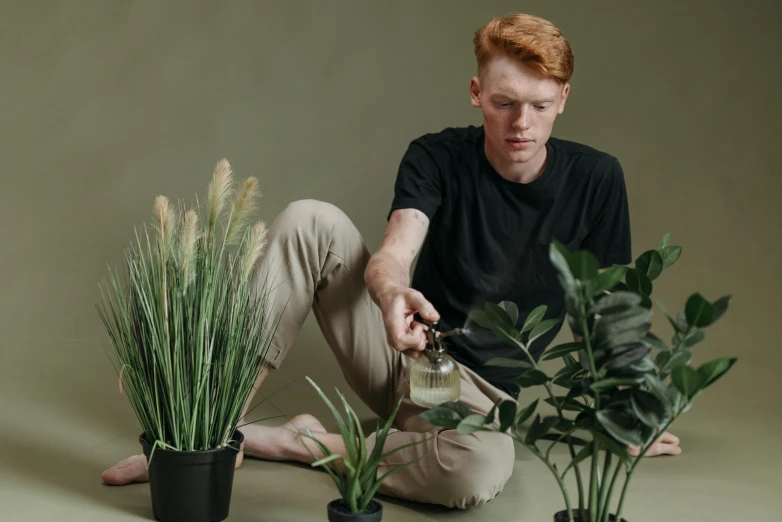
{"x":541,"y":107}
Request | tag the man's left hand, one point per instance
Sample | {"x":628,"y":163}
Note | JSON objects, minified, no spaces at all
{"x":666,"y":444}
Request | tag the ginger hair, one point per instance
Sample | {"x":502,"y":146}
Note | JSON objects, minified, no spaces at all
{"x":533,"y":41}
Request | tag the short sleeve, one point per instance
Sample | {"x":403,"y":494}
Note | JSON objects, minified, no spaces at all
{"x":609,"y":237}
{"x":418,"y":182}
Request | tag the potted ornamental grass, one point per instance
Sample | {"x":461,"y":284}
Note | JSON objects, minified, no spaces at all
{"x":619,"y":385}
{"x":356,"y":473}
{"x":190,"y":325}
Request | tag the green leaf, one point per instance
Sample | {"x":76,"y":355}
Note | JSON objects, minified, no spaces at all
{"x":681,"y":322}
{"x":482,"y":318}
{"x":649,"y":408}
{"x":645,"y":365}
{"x":559,"y":256}
{"x":695,"y":337}
{"x":720,"y":307}
{"x":326,"y":460}
{"x":664,"y":241}
{"x":654,"y":341}
{"x":531,"y":378}
{"x":657,"y":387}
{"x":566,"y":373}
{"x":638,"y":282}
{"x":699,"y":311}
{"x":611,"y":445}
{"x":668,"y":360}
{"x":500,"y":313}
{"x":507,"y":414}
{"x":620,"y":427}
{"x":614,"y":324}
{"x":558,"y":437}
{"x":542,"y":328}
{"x":584,"y":265}
{"x":687,"y":380}
{"x":507,"y":363}
{"x":539,"y":427}
{"x":626,"y":358}
{"x":565,"y":403}
{"x":616,"y":302}
{"x":650,"y":263}
{"x":526,"y":413}
{"x":606,"y":280}
{"x":470,"y":424}
{"x":611,"y":383}
{"x":534,"y":318}
{"x":512,"y":310}
{"x":490,"y":417}
{"x":566,"y":426}
{"x":670,"y":255}
{"x":714,"y":369}
{"x":561,"y":350}
{"x":448,"y":415}
{"x":509,"y":335}
{"x":620,"y":339}
{"x":620,"y":286}
{"x":668,"y":316}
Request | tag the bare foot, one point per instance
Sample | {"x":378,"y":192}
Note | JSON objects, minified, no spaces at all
{"x":280,"y":442}
{"x":132,"y":469}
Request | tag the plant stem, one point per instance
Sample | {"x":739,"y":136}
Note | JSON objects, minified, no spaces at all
{"x":607,"y":503}
{"x":561,"y":484}
{"x":637,"y":460}
{"x":577,"y":470}
{"x":602,"y":508}
{"x":593,"y":484}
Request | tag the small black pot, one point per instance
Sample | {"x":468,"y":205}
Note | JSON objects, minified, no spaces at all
{"x":339,"y":512}
{"x":192,"y":486}
{"x":562,"y":517}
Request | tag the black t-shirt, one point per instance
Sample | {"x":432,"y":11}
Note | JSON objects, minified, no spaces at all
{"x":489,"y":237}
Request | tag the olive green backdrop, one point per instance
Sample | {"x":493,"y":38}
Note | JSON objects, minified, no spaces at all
{"x":103,"y":105}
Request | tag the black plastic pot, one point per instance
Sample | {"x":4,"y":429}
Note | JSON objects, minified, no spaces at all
{"x":562,"y":517}
{"x":191,"y":486}
{"x":339,"y":512}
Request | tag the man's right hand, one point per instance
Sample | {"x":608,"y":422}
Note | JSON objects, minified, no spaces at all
{"x":403,"y":333}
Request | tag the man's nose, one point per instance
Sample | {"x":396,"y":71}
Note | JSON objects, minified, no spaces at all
{"x":522,"y":118}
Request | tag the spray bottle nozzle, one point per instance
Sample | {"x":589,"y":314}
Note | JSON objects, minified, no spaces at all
{"x":434,"y":345}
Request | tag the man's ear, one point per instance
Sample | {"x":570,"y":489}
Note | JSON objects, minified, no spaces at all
{"x":565,"y":92}
{"x":475,"y":91}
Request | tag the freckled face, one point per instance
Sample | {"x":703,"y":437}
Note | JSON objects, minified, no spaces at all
{"x":519,"y":106}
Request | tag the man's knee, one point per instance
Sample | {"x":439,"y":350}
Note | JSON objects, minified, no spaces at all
{"x":311,"y":210}
{"x":481,"y":467}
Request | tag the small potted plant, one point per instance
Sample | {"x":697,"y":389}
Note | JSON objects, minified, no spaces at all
{"x":355,"y":474}
{"x":190,"y":328}
{"x":624,"y":387}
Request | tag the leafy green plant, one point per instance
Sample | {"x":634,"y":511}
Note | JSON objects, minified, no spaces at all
{"x":355,"y":474}
{"x":621,"y":385}
{"x":189,"y":323}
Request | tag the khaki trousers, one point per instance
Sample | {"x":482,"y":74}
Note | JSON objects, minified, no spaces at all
{"x":317,"y":259}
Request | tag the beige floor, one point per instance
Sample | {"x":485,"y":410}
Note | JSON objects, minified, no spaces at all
{"x":56,"y":439}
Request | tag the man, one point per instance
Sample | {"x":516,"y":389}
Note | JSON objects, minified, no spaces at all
{"x":481,"y":205}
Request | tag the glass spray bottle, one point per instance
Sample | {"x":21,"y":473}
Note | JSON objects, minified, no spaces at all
{"x":434,"y":375}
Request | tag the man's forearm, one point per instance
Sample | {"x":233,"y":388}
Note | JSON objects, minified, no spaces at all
{"x":384,"y":272}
